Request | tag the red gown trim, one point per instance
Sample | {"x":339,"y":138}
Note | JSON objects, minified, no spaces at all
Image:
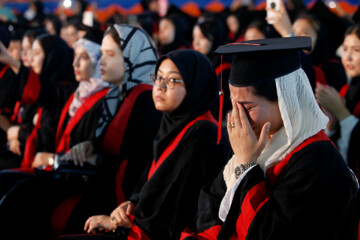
{"x":154,"y":166}
{"x":117,"y":128}
{"x":63,"y":132}
{"x":30,"y":145}
{"x":259,"y":194}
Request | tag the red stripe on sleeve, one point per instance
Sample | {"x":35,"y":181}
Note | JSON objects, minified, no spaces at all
{"x":135,"y":232}
{"x":208,"y":234}
{"x":255,"y":198}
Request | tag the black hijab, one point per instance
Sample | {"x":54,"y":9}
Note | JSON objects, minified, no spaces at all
{"x":57,"y":75}
{"x":201,"y":94}
{"x":182,"y":34}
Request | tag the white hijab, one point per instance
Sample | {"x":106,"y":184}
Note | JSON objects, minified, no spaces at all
{"x":302,"y":118}
{"x":87,"y":88}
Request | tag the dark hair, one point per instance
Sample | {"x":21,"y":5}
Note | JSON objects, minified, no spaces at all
{"x":32,"y":34}
{"x":212,"y":29}
{"x":114,"y":34}
{"x":266,"y":90}
{"x":44,"y":40}
{"x":259,"y":25}
{"x":55,"y":21}
{"x":313,"y":21}
{"x":353,"y":29}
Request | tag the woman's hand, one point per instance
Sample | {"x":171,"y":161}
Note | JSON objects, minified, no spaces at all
{"x":42,"y":159}
{"x":98,"y":222}
{"x":120,"y":216}
{"x":330,"y":100}
{"x":245,"y":144}
{"x":281,"y":20}
{"x":79,"y":153}
{"x":13,"y":133}
{"x":14,"y":146}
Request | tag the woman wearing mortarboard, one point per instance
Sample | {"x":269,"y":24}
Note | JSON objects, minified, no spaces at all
{"x":285,"y":180}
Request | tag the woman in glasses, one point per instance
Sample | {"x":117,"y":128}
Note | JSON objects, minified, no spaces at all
{"x":186,"y":153}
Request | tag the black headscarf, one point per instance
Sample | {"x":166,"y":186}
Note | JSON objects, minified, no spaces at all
{"x":57,"y":75}
{"x":58,"y":59}
{"x":201,"y":94}
{"x":182,"y":34}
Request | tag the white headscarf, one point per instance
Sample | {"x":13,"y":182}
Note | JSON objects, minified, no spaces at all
{"x":302,"y":118}
{"x":95,"y":83}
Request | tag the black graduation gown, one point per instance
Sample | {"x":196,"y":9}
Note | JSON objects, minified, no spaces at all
{"x":82,"y":126}
{"x":349,"y":227}
{"x":303,"y":197}
{"x":97,"y":195}
{"x":22,"y":92}
{"x":8,"y":91}
{"x":8,"y":96}
{"x":166,"y":203}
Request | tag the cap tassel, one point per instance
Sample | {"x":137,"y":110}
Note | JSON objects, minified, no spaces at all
{"x":221,"y":93}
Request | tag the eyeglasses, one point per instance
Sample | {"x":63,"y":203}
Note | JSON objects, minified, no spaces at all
{"x":169,"y":82}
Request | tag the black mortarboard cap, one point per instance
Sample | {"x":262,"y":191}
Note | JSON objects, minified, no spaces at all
{"x":264,"y":60}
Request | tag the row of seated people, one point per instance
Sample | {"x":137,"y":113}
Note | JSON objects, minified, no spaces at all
{"x":114,"y":117}
{"x":111,"y":123}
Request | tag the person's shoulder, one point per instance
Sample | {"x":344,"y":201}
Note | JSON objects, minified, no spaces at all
{"x":320,"y":153}
{"x":142,"y":94}
{"x":319,"y":148}
{"x":204,"y":126}
{"x":202,"y":129}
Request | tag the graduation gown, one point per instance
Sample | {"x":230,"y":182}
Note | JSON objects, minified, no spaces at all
{"x":24,"y":89}
{"x":167,"y":202}
{"x":97,"y":196}
{"x":8,"y":93}
{"x":349,"y":227}
{"x":80,"y":127}
{"x":8,"y":96}
{"x":302,"y":197}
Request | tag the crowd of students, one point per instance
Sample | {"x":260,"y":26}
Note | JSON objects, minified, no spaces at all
{"x":175,"y":128}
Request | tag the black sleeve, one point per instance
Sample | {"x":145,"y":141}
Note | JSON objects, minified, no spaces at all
{"x":208,"y":206}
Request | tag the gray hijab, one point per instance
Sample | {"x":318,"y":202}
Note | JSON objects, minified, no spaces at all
{"x":140,"y":57}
